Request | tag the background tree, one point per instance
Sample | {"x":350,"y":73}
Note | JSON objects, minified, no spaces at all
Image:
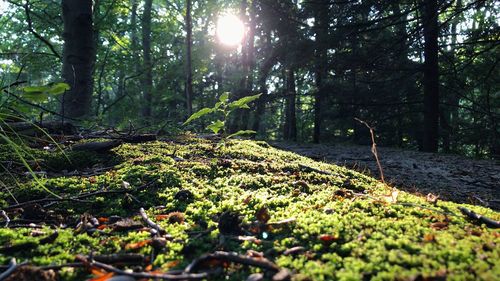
{"x":78,"y":57}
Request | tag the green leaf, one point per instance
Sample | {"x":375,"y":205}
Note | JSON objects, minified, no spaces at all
{"x":243,"y":102}
{"x":216,"y":126}
{"x":202,"y":112}
{"x":241,"y":133}
{"x":224,"y":97}
{"x":36,"y":96}
{"x":35,"y":89}
{"x":58,"y":88}
{"x":41,"y":93}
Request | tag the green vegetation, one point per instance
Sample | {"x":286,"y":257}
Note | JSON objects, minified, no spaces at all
{"x":224,"y":108}
{"x":342,"y":219}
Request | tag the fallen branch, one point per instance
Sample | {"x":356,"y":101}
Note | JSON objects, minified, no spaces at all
{"x":141,"y":275}
{"x":233,"y":257}
{"x":78,"y":197}
{"x":489,"y":222}
{"x":13,"y":265}
{"x":150,"y":223}
{"x":6,"y":218}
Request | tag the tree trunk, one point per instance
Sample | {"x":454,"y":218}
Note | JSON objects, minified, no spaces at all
{"x":264,"y":69}
{"x":78,"y":57}
{"x":147,"y":81}
{"x":189,"y":70}
{"x":321,"y":31}
{"x":290,"y":128}
{"x":431,"y":77}
{"x":241,"y":117}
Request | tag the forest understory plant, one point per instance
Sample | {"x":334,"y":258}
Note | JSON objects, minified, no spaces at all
{"x":11,"y":111}
{"x":223,"y":108}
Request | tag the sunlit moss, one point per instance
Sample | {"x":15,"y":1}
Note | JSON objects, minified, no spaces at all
{"x":367,"y":237}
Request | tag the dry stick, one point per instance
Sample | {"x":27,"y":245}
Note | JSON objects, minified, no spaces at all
{"x":233,"y":257}
{"x":12,"y":267}
{"x":140,"y":275}
{"x":489,"y":222}
{"x":6,"y":218}
{"x":78,"y":197}
{"x":374,"y":147}
{"x":149,"y":222}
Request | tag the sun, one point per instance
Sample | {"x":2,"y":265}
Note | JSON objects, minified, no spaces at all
{"x":230,"y":30}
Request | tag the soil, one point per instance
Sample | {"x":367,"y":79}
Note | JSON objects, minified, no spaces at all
{"x":452,"y":177}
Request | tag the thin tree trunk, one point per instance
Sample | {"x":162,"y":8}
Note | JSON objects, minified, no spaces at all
{"x":321,"y":31}
{"x":431,"y":77}
{"x":189,"y":70}
{"x":78,"y":57}
{"x":147,"y":81}
{"x":290,"y":128}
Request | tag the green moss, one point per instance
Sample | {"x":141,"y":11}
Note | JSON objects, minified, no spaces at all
{"x":368,"y":239}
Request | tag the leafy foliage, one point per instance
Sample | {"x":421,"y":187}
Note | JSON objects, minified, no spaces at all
{"x":224,"y":108}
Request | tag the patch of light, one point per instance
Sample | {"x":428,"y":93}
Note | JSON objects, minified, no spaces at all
{"x":4,"y":5}
{"x":230,"y":30}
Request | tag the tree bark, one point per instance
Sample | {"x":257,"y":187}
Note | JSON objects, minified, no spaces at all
{"x":78,"y":57}
{"x":431,"y":77}
{"x":290,"y":128}
{"x":321,"y":71}
{"x":189,"y":70}
{"x":147,"y":81}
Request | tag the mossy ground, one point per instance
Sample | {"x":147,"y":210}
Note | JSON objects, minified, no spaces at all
{"x":345,"y":236}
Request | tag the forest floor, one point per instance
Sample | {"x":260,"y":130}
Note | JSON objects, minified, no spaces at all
{"x":452,"y":177}
{"x":199,"y":209}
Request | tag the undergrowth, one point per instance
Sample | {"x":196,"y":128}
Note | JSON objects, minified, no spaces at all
{"x":346,"y":229}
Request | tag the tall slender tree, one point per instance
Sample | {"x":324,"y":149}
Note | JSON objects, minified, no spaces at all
{"x":321,"y":8}
{"x":431,"y":76}
{"x":290,"y":127}
{"x":189,"y":68}
{"x":78,"y":57}
{"x":147,"y":79}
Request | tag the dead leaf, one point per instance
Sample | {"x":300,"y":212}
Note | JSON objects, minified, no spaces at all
{"x":431,"y":198}
{"x":102,"y":227}
{"x":161,"y":217}
{"x":138,"y":245}
{"x":263,"y":215}
{"x":247,"y":200}
{"x":393,"y":197}
{"x":170,"y":264}
{"x":328,"y":238}
{"x":429,"y":237}
{"x":439,"y":225}
{"x":104,"y":277}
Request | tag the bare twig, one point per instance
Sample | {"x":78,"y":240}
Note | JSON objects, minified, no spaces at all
{"x":149,"y":222}
{"x":374,"y":147}
{"x":78,"y":197}
{"x":233,"y":257}
{"x":141,"y":275}
{"x":4,"y":215}
{"x":489,"y":222}
{"x":13,"y":265}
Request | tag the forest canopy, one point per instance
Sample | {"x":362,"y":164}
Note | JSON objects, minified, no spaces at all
{"x":424,"y":73}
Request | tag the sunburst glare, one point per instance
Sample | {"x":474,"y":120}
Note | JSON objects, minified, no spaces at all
{"x":230,"y":30}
